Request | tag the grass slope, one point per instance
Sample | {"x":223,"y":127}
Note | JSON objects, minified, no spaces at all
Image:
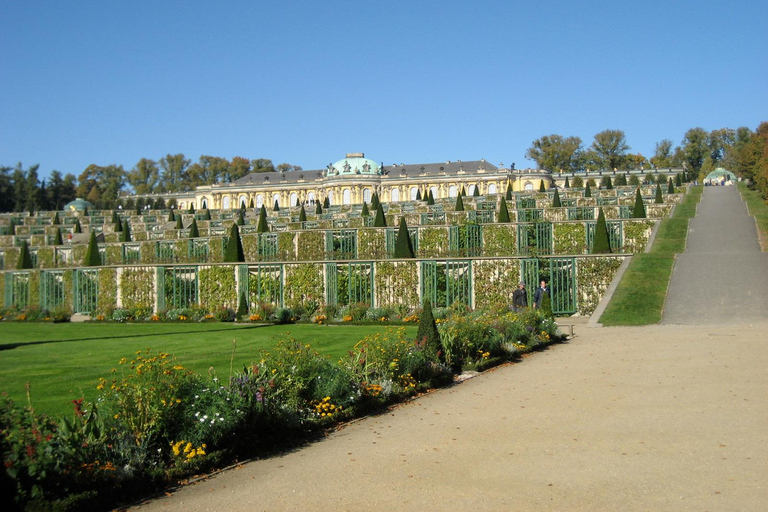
{"x":759,"y":210}
{"x":639,"y":298}
{"x":63,"y":362}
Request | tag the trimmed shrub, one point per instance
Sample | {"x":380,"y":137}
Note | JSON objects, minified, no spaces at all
{"x":459,"y":203}
{"x":302,"y":215}
{"x":430,"y":198}
{"x":588,"y":190}
{"x":234,"y":251}
{"x":179,"y":223}
{"x":276,"y":208}
{"x":262,"y":227}
{"x":403,"y":245}
{"x":57,"y":240}
{"x":125,"y":232}
{"x":542,"y":188}
{"x":601,"y":244}
{"x":508,"y":196}
{"x":242,"y":306}
{"x":365,"y":212}
{"x":318,"y":208}
{"x":92,"y":256}
{"x":25,"y":258}
{"x":326,"y":202}
{"x":380,"y":221}
{"x":375,"y":201}
{"x":428,"y":335}
{"x":567,"y":183}
{"x":658,"y":199}
{"x":78,"y":228}
{"x":556,"y":203}
{"x":503,"y":211}
{"x":463,"y":192}
{"x":670,"y":187}
{"x":55,"y":221}
{"x":638,"y":212}
{"x":476,"y":191}
{"x":418,"y":195}
{"x":193,"y":231}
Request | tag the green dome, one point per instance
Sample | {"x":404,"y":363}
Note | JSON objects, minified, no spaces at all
{"x":78,"y":205}
{"x":354,"y":163}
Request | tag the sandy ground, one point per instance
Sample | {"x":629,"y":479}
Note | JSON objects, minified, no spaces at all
{"x":663,"y":417}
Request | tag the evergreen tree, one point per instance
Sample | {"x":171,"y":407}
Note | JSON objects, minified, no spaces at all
{"x":375,"y":201}
{"x":326,"y":202}
{"x":638,"y":212}
{"x":503,"y":211}
{"x":118,"y":225}
{"x":179,"y":222}
{"x":542,"y":188}
{"x":428,"y":333}
{"x":403,"y":244}
{"x":601,"y":244}
{"x":508,"y":196}
{"x":365,"y":212}
{"x":670,"y":187}
{"x":250,"y":205}
{"x":242,"y":306}
{"x":556,"y":202}
{"x":114,"y":217}
{"x":92,"y":256}
{"x":463,"y":192}
{"x":25,"y":257}
{"x":125,"y":232}
{"x":194,"y":232}
{"x":191,"y":208}
{"x":302,"y":214}
{"x":207,"y":214}
{"x":276,"y":208}
{"x":459,"y":204}
{"x":430,"y":198}
{"x":234,"y":250}
{"x":240,"y":219}
{"x":567,"y":183}
{"x":318,"y":208}
{"x":57,"y":239}
{"x":678,"y":180}
{"x":476,"y":191}
{"x":85,"y":212}
{"x":608,"y":183}
{"x":298,"y":202}
{"x":588,"y":191}
{"x":380,"y":221}
{"x":78,"y":228}
{"x":546,"y":306}
{"x":56,"y":221}
{"x":659,"y":199}
{"x":12,"y":228}
{"x":418,"y":195}
{"x":171,"y":217}
{"x":263,"y":226}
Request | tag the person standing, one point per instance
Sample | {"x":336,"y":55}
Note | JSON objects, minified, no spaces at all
{"x":519,"y":298}
{"x":538,"y":296}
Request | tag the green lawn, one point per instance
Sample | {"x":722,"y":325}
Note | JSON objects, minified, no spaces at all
{"x":759,"y":209}
{"x":639,"y":298}
{"x":63,"y":362}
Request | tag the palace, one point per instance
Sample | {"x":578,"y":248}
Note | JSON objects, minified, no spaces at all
{"x":355,"y":178}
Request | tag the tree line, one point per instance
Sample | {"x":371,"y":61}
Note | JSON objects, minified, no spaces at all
{"x":21,"y":189}
{"x":699,"y":153}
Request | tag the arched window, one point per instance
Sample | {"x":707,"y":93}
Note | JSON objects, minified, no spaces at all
{"x":259,"y":200}
{"x":453,"y":191}
{"x":394,"y":195}
{"x":330,"y":197}
{"x":434,"y":192}
{"x":242,"y":201}
{"x":413,"y":192}
{"x":367,"y":195}
{"x":276,"y":199}
{"x":311,"y":197}
{"x":471,"y":190}
{"x":294,"y":198}
{"x":492,"y":189}
{"x":346,"y":197}
{"x":225,"y":203}
{"x":205,"y":204}
{"x":528,"y":186}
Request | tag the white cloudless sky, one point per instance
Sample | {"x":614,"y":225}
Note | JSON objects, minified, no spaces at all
{"x":419,"y":81}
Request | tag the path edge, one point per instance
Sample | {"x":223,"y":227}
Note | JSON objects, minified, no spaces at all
{"x":608,"y":295}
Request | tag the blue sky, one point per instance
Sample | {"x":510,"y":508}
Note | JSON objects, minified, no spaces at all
{"x":421,"y":81}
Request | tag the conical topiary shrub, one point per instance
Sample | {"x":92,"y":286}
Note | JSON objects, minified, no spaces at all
{"x":567,"y":183}
{"x":78,"y":228}
{"x":234,"y":251}
{"x":459,"y":204}
{"x":608,"y":183}
{"x":588,"y":191}
{"x":428,"y":335}
{"x":118,"y":225}
{"x":57,"y":239}
{"x":115,"y":218}
{"x":476,"y":191}
{"x":638,"y":212}
{"x":403,"y":244}
{"x":430,"y":198}
{"x":375,"y":201}
{"x":171,"y":217}
{"x":276,"y":208}
{"x":194,"y":232}
{"x":326,"y":202}
{"x":125,"y":232}
{"x":678,"y":180}
{"x":179,"y":222}
{"x":242,"y":307}
{"x":55,"y":221}
{"x":508,"y":197}
{"x":250,"y":205}
{"x":191,"y":208}
{"x":207,"y":215}
{"x":240,"y":219}
{"x":298,"y":202}
{"x":318,"y":208}
{"x":542,"y":188}
{"x":546,"y":306}
{"x":380,"y":221}
{"x":25,"y":257}
{"x":92,"y":256}
{"x":418,"y":195}
{"x":670,"y":187}
{"x":556,"y":203}
{"x":659,"y":199}
{"x":302,"y":215}
{"x":365,"y":212}
{"x":263,"y":226}
{"x":601,"y":244}
{"x":463,"y":191}
{"x":503,"y":211}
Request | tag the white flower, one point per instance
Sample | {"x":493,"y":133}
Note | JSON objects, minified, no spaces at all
{"x":197,"y":414}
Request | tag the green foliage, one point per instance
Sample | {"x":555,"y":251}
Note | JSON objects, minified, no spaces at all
{"x":92,"y":256}
{"x":25,"y":258}
{"x":499,"y":240}
{"x":476,"y":191}
{"x":542,"y":188}
{"x":276,"y":208}
{"x":504,"y":211}
{"x":318,"y":208}
{"x":463,"y":192}
{"x":508,"y":196}
{"x":556,"y":203}
{"x":403,"y":245}
{"x":430,"y":198}
{"x":567,"y":183}
{"x":418,"y":195}
{"x":365,"y":212}
{"x":670,"y":187}
{"x":658,"y":199}
{"x":125,"y":232}
{"x":234,"y":251}
{"x":56,"y":221}
{"x":569,"y":237}
{"x":262,"y":227}
{"x":678,"y":180}
{"x":588,"y":190}
{"x":600,"y":242}
{"x":380,"y":221}
{"x":179,"y":223}
{"x":240,"y":218}
{"x":242,"y":306}
{"x":606,"y":182}
{"x":171,"y":216}
{"x":77,"y":228}
{"x":459,"y":202}
{"x":194,"y":232}
{"x":57,"y":239}
{"x":375,"y":201}
{"x":638,"y":212}
{"x":302,"y":215}
{"x":428,"y":335}
{"x":207,"y":214}
{"x":326,"y":202}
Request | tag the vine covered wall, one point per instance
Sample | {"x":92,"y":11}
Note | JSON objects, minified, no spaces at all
{"x":499,"y":240}
{"x":593,"y":275}
{"x":494,"y":281}
{"x":569,"y":238}
{"x":303,"y":284}
{"x":218,"y":287}
{"x":137,"y":288}
{"x":396,"y":282}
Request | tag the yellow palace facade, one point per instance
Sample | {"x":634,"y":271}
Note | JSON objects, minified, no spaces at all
{"x":355,"y":179}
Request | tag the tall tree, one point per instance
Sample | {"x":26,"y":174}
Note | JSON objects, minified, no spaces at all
{"x":173,"y":177}
{"x":238,"y":168}
{"x":208,"y":170}
{"x":555,"y":152}
{"x":19,"y":188}
{"x":611,"y":148}
{"x":262,"y":165}
{"x":144,"y":176}
{"x":662,"y":154}
{"x":6,"y":189}
{"x":695,"y":149}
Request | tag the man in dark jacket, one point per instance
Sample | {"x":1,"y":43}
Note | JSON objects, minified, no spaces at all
{"x":519,"y":298}
{"x":538,"y":295}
